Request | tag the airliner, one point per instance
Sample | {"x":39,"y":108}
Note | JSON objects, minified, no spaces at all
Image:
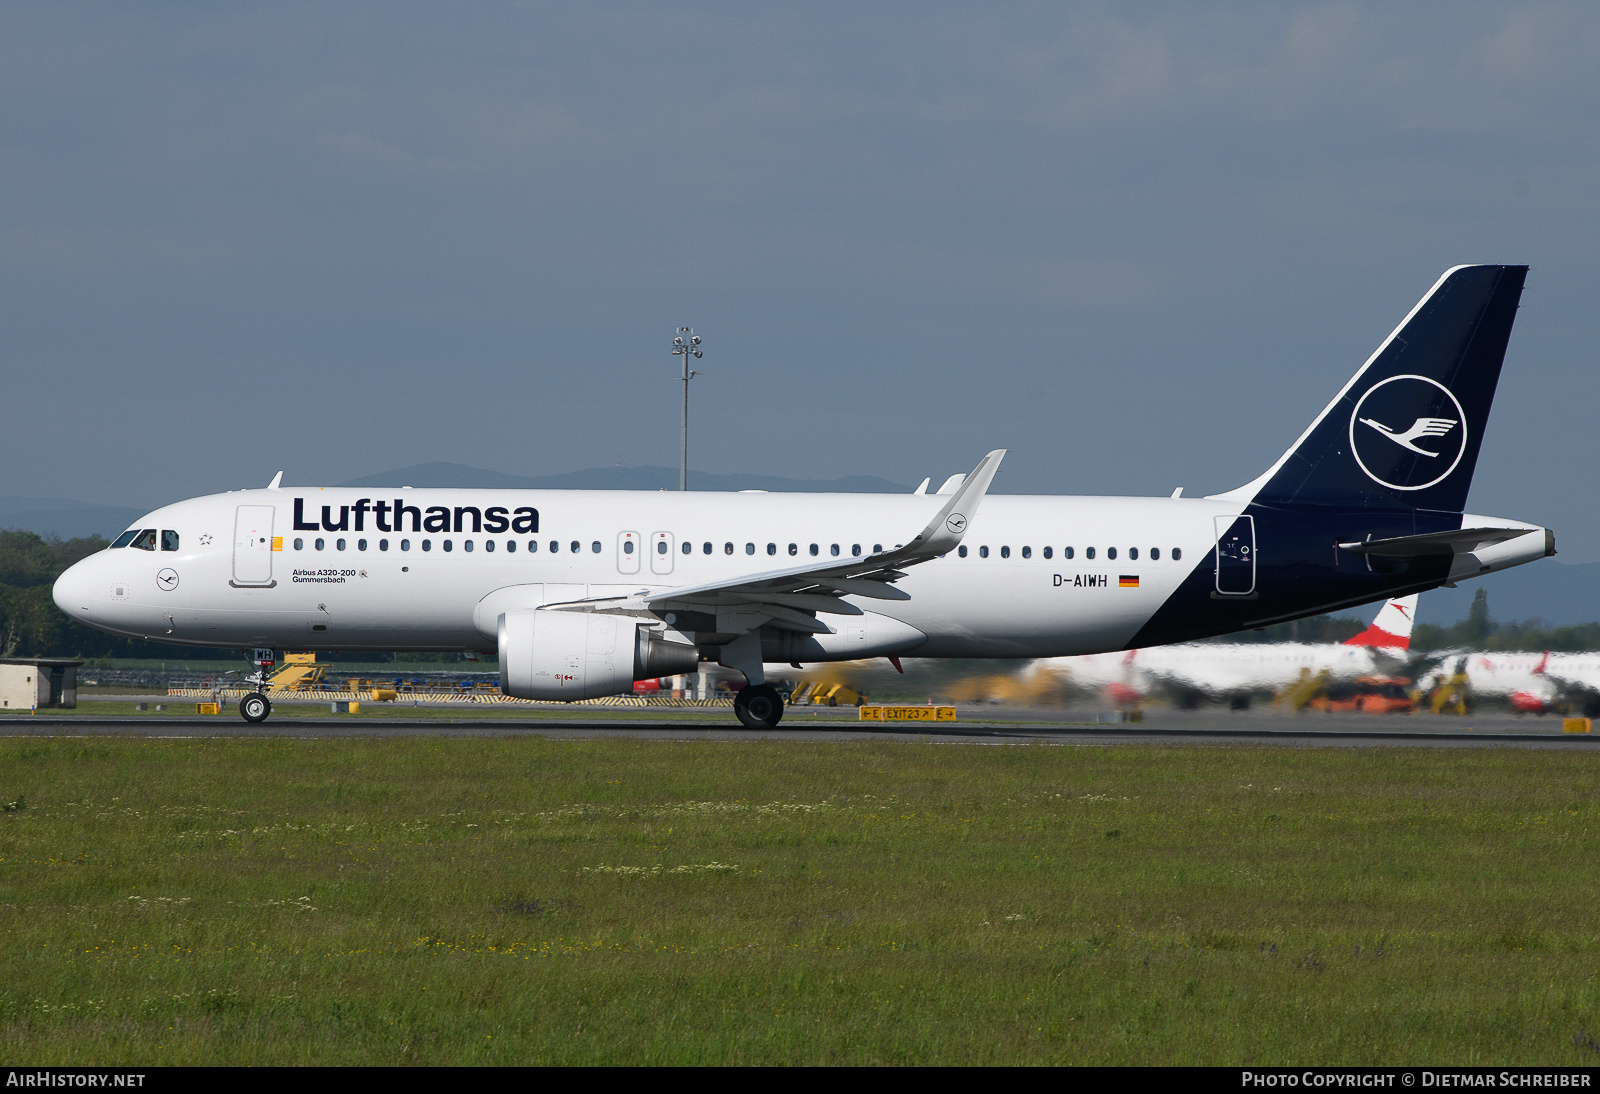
{"x":1231,"y":671}
{"x":580,"y":593}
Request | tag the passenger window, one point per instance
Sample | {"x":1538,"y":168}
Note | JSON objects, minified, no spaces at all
{"x":727,"y":548}
{"x":962,"y":550}
{"x":877,"y":548}
{"x":813,"y":550}
{"x":1005,"y":552}
{"x":855,"y":550}
{"x":555,"y":546}
{"x":983,"y":552}
{"x":299,"y":545}
{"x":1088,"y":552}
{"x":533,"y":546}
{"x":661,"y":546}
{"x":466,"y":545}
{"x":361,"y":545}
{"x":338,"y":544}
{"x":1027,"y":552}
{"x":1047,"y":552}
{"x":169,"y":540}
{"x":488,"y":545}
{"x":627,"y":546}
{"x":126,"y":538}
{"x":576,"y":547}
{"x":594,"y":548}
{"x":448,"y":546}
{"x":1111,"y":552}
{"x":146,"y":540}
{"x":705,"y":548}
{"x":383,"y":544}
{"x":794,"y":548}
{"x":427,"y":544}
{"x":834,"y":549}
{"x":405,"y":545}
{"x":749,"y":548}
{"x":1133,"y":553}
{"x":1177,"y":554}
{"x":511,"y":546}
{"x":1155,"y":554}
{"x":318,"y":544}
{"x":772,"y":548}
{"x":688,"y":548}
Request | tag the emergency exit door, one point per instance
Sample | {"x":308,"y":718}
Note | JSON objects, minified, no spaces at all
{"x":629,"y":547}
{"x":661,"y":545}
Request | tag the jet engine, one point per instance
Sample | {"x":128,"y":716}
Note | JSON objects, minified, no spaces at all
{"x":566,"y":656}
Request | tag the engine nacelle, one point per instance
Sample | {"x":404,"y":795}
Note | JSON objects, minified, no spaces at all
{"x":567,"y":656}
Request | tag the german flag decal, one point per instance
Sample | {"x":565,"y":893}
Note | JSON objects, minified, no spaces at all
{"x":1128,"y":581}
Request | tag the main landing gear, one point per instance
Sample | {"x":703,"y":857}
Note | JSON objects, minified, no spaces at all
{"x":759,"y":706}
{"x":255,"y":707}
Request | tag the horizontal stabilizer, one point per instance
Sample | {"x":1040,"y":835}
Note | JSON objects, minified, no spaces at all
{"x":1435,"y":544}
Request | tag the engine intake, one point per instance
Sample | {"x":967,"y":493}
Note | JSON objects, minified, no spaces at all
{"x":567,"y":656}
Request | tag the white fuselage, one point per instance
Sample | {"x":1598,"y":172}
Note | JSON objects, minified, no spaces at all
{"x":371,"y":587}
{"x":1219,"y":669}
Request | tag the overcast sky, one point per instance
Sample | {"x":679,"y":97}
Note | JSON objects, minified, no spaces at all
{"x":1138,"y":245}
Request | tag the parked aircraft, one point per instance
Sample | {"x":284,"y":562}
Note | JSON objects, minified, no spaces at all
{"x":1534,"y":683}
{"x":1230,"y":672}
{"x":580,"y":593}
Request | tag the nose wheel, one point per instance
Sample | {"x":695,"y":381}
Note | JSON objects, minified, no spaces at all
{"x":759,"y":706}
{"x":255,"y":707}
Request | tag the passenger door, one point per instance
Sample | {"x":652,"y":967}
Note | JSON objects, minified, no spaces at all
{"x":252,"y":546}
{"x":1236,"y":555}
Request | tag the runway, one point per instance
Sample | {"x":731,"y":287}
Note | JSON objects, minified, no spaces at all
{"x":1019,"y":727}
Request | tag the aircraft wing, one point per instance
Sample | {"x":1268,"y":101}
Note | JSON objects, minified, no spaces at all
{"x":790,"y":599}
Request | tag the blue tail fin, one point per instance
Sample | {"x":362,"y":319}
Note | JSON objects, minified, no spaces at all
{"x":1405,"y":431}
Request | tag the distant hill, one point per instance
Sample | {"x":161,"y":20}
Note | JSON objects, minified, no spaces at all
{"x":65,"y":518}
{"x":617,"y":478}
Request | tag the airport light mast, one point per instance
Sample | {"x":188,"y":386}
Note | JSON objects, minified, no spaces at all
{"x":685,"y":345}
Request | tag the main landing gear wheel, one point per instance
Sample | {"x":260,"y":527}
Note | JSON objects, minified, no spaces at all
{"x":759,"y":706}
{"x":255,"y":707}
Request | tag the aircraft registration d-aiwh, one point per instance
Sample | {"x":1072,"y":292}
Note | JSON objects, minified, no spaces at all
{"x":582,"y":592}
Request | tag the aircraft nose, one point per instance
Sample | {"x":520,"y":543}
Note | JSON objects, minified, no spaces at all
{"x":72,"y":589}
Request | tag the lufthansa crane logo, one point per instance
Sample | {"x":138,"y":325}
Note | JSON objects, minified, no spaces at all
{"x":956,"y":523}
{"x":1408,"y":432}
{"x":167,"y":579}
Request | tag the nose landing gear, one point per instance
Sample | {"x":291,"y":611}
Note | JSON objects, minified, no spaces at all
{"x":255,"y":707}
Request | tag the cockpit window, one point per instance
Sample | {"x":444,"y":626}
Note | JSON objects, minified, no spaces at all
{"x":146,"y":540}
{"x":169,"y":540}
{"x":126,"y":538}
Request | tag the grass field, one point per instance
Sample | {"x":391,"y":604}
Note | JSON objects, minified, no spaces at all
{"x":434,"y":901}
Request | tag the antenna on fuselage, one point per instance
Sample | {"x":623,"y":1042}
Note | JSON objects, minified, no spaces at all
{"x":277,"y":480}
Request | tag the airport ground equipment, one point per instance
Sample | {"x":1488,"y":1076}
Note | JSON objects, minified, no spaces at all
{"x":300,"y":672}
{"x":1307,"y":688}
{"x":38,"y":683}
